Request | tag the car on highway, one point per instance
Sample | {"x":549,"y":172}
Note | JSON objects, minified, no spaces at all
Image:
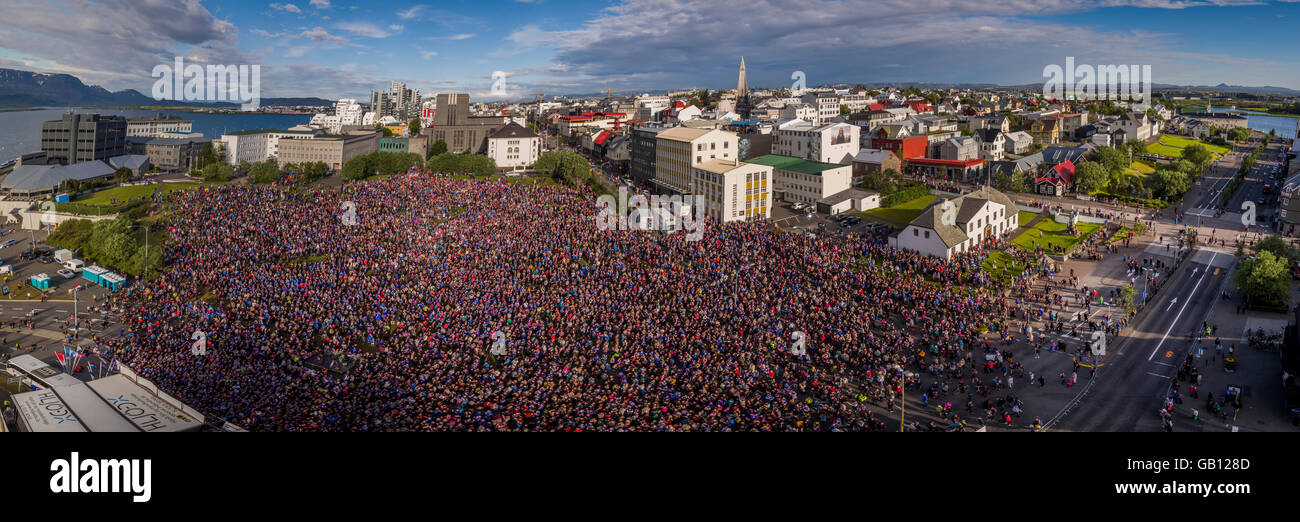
{"x":67,"y":274}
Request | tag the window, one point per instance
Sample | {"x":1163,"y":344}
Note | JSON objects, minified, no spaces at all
{"x":927,"y":234}
{"x":917,"y":233}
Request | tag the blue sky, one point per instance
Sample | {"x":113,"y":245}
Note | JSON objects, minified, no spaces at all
{"x":343,"y":48}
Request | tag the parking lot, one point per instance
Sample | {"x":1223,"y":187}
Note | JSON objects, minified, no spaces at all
{"x":13,"y":243}
{"x":787,"y":217}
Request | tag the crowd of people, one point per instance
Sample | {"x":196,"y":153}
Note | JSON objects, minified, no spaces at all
{"x":602,"y":330}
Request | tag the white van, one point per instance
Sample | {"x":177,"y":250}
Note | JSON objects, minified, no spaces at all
{"x":74,"y":265}
{"x":62,"y":255}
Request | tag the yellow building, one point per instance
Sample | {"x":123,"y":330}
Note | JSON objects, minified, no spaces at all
{"x":1046,"y":130}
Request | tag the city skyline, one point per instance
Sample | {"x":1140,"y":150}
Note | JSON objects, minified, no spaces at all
{"x":337,"y":49}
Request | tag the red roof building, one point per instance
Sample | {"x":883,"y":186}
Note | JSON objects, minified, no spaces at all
{"x":906,"y":148}
{"x":960,"y":170}
{"x":1056,"y":180}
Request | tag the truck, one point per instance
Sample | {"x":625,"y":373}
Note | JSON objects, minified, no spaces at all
{"x":63,"y":255}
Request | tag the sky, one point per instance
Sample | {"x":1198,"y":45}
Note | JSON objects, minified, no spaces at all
{"x":344,"y":48}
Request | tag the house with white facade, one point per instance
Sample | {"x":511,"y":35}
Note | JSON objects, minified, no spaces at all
{"x":1137,"y":126}
{"x":992,"y":143}
{"x":733,"y":190}
{"x":980,"y":215}
{"x":1018,"y":142}
{"x":514,"y":147}
{"x":826,"y":103}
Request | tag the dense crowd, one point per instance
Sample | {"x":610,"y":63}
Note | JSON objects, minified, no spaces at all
{"x":605,"y":330}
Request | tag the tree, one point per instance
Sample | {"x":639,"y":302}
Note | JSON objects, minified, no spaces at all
{"x":438,"y":147}
{"x":388,"y":133}
{"x":1197,"y":154}
{"x":1090,"y":176}
{"x":1238,"y":134}
{"x":844,"y":109}
{"x":1112,"y":159}
{"x":1169,"y":182}
{"x":884,"y":181}
{"x":565,"y":166}
{"x":1137,"y":147}
{"x":1280,"y":248}
{"x":265,"y":172}
{"x":1128,"y":293}
{"x":122,"y":174}
{"x":1265,"y":280}
{"x":414,"y":126}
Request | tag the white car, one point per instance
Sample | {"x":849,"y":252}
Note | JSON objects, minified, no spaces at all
{"x":67,"y":274}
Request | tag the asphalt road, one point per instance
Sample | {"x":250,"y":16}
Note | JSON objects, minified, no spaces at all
{"x":1130,"y":387}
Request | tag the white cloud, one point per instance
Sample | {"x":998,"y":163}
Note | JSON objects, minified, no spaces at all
{"x":287,"y":8}
{"x":467,"y":36}
{"x":413,"y":12}
{"x":395,"y":27}
{"x":267,"y":34}
{"x":320,"y":4}
{"x":365,"y":29}
{"x":428,"y":54}
{"x":317,"y":34}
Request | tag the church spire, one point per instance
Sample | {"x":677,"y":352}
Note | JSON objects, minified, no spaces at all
{"x":742,"y":93}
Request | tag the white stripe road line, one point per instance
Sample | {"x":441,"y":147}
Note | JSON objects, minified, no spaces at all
{"x":1180,"y":310}
{"x":1157,"y":375}
{"x":1164,"y":363}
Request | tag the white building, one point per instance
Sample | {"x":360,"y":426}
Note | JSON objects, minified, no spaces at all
{"x":680,"y":149}
{"x":856,"y":102}
{"x":1137,"y":126}
{"x":979,"y":215}
{"x":961,"y":148}
{"x":827,"y":104}
{"x":800,"y":111}
{"x":829,"y":143}
{"x":258,"y":145}
{"x":799,"y":180}
{"x":992,"y":143}
{"x":1018,"y":142}
{"x":514,"y":146}
{"x":733,"y":190}
{"x":160,"y":126}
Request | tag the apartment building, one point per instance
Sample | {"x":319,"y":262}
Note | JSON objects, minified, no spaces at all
{"x":828,"y":143}
{"x":680,"y":149}
{"x":733,"y":190}
{"x":83,"y":137}
{"x":799,"y":180}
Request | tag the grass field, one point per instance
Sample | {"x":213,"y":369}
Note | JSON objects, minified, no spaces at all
{"x":1003,"y":267}
{"x":1140,"y":169}
{"x":903,"y":213}
{"x":1026,"y":217}
{"x":1173,"y":146}
{"x":1051,"y":236}
{"x":105,"y":197}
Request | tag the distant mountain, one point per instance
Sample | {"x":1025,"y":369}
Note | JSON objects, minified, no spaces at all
{"x":33,"y":89}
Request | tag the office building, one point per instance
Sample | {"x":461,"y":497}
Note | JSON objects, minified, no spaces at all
{"x":454,"y":124}
{"x":333,"y":151}
{"x":160,"y":126}
{"x":83,"y":137}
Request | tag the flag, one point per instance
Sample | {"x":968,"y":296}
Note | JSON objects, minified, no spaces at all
{"x":91,"y":365}
{"x":61,"y":360}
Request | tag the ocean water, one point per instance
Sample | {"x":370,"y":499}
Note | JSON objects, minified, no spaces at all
{"x":1283,"y":127}
{"x":20,"y":131}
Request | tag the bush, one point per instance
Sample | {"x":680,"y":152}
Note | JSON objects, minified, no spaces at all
{"x":904,"y":195}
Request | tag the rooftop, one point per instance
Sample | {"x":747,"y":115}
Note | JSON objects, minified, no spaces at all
{"x":793,"y":164}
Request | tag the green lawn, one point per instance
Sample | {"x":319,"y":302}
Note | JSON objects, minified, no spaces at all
{"x":105,"y":197}
{"x":1051,"y":236}
{"x":903,"y":213}
{"x":1003,"y":267}
{"x":1173,"y":146}
{"x":1026,"y":217}
{"x":1140,"y":169}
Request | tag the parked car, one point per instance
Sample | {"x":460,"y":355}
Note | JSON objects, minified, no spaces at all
{"x":46,"y":259}
{"x":67,"y":274}
{"x":28,"y":255}
{"x":11,"y":242}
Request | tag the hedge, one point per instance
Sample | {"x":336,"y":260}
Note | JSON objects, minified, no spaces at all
{"x":96,"y":210}
{"x":904,"y":195}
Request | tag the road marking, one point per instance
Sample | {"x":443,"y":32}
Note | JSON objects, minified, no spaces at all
{"x":1180,"y":310}
{"x":1157,"y":375}
{"x":1172,"y":302}
{"x":1163,"y":363}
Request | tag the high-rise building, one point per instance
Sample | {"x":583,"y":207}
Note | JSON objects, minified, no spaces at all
{"x":83,"y":137}
{"x":398,"y":102}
